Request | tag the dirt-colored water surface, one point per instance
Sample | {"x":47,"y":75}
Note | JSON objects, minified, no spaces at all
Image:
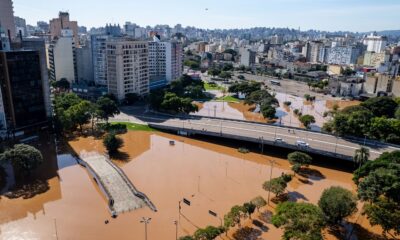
{"x":213,"y":177}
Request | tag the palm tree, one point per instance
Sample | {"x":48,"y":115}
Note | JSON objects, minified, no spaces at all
{"x":361,"y":156}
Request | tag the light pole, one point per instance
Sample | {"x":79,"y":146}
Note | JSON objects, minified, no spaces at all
{"x":176,"y":229}
{"x":146,"y":221}
{"x":272,"y":162}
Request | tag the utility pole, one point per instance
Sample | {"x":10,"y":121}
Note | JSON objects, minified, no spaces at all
{"x":145,"y":221}
{"x":272,"y":162}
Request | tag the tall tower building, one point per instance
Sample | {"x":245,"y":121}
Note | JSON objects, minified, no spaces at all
{"x":165,"y":62}
{"x":62,"y":58}
{"x":62,"y":23}
{"x":7,"y":17}
{"x":127,"y":67}
{"x":375,"y":43}
{"x":21,"y":86}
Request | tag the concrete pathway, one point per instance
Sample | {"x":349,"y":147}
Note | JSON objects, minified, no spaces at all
{"x":121,"y":193}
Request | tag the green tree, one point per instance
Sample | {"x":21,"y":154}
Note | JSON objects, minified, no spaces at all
{"x":225,"y":75}
{"x":381,"y":106}
{"x":276,"y":185}
{"x":307,"y":120}
{"x":106,"y":108}
{"x":300,"y":221}
{"x":268,"y":111}
{"x":298,"y":160}
{"x":397,"y":113}
{"x":186,"y":238}
{"x":259,"y":202}
{"x":232,"y":218}
{"x":361,"y":156}
{"x":354,"y":120}
{"x":112,"y":143}
{"x":80,"y":113}
{"x":208,"y":233}
{"x":250,"y":208}
{"x":378,"y":184}
{"x":214,"y":71}
{"x":337,"y":203}
{"x":23,"y":157}
{"x":62,"y":84}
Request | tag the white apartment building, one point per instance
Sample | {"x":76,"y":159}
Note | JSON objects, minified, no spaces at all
{"x":61,"y":53}
{"x":165,"y":62}
{"x":127,"y":67}
{"x":375,"y":43}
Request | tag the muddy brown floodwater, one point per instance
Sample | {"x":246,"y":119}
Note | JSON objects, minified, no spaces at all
{"x":213,"y":177}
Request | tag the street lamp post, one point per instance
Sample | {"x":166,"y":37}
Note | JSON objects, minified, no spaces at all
{"x":272,"y":162}
{"x":146,"y":221}
{"x":176,"y":229}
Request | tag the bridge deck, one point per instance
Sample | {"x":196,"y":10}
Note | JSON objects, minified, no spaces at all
{"x":114,"y":183}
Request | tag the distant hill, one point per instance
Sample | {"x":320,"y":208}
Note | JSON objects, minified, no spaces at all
{"x":394,"y":33}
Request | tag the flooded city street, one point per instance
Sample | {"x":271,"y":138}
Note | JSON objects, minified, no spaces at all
{"x":211,"y":176}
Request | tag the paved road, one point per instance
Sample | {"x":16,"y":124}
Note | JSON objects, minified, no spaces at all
{"x":113,"y":183}
{"x":318,"y":142}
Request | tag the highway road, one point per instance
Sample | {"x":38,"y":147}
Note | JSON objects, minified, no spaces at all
{"x":319,"y":143}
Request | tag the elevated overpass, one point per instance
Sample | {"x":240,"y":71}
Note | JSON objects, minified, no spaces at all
{"x":319,"y":143}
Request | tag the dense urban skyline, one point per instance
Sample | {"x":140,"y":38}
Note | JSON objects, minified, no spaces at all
{"x":336,"y":15}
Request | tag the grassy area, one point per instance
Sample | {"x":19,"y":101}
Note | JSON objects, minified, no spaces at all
{"x":208,"y":86}
{"x":136,"y":127}
{"x":228,"y":99}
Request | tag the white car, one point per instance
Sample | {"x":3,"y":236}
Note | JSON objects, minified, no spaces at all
{"x":279,"y":140}
{"x":300,"y":143}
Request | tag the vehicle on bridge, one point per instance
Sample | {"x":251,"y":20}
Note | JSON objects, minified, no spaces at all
{"x":279,"y":140}
{"x":300,"y":143}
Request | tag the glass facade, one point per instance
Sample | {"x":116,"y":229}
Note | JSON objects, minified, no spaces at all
{"x":22,"y":89}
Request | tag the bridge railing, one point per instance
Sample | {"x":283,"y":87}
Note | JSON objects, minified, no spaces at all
{"x":251,"y":139}
{"x":367,"y":141}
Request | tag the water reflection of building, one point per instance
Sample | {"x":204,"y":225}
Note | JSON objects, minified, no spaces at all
{"x":47,"y":179}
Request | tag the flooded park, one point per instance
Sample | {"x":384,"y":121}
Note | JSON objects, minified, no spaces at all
{"x":210,"y":173}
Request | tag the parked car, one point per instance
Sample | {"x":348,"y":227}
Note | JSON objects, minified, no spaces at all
{"x":300,"y":143}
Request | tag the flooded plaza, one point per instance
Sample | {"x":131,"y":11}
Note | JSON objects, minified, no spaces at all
{"x":211,"y":176}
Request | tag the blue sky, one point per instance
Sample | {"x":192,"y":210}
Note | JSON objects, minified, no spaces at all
{"x":331,"y":15}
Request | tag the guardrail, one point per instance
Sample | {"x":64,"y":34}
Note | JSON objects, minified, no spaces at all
{"x":251,"y":139}
{"x":350,"y":138}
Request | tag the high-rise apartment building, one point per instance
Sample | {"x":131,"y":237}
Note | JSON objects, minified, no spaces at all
{"x":375,"y":43}
{"x":38,"y":44}
{"x":7,"y":17}
{"x":99,"y":56}
{"x":62,"y":59}
{"x":21,"y":86}
{"x":247,"y":57}
{"x":61,"y":23}
{"x":165,"y":62}
{"x":84,"y":64}
{"x":127,"y":67}
{"x":312,"y":51}
{"x":343,"y":55}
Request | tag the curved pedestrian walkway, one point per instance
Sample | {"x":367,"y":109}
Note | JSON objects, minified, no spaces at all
{"x":121,"y":194}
